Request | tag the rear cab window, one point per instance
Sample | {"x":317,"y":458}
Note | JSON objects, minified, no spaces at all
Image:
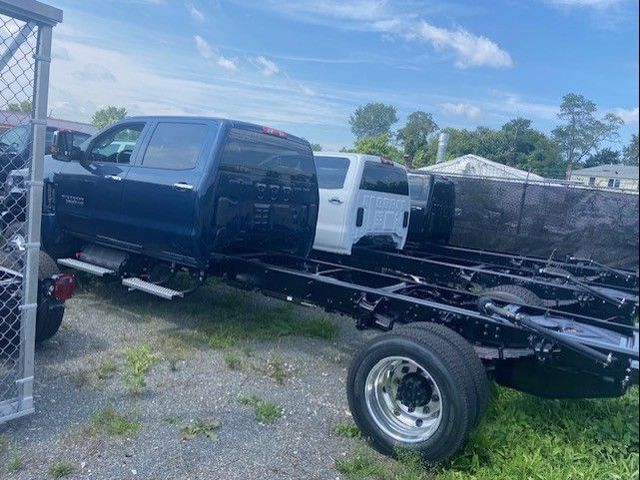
{"x":248,"y":150}
{"x":175,"y":146}
{"x":332,"y":171}
{"x":384,"y":178}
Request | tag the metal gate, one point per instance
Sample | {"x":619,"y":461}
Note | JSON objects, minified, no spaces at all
{"x":25,"y":55}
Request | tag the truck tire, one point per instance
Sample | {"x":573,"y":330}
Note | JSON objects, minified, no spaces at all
{"x":409,"y":390}
{"x":513,"y":294}
{"x":50,"y":311}
{"x":470,"y":358}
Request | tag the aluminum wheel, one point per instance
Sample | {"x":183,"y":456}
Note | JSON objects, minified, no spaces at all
{"x":403,"y":399}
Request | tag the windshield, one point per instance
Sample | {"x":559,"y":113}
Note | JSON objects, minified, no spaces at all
{"x":15,"y":140}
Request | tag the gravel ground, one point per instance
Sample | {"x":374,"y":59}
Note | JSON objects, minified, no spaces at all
{"x":189,"y":381}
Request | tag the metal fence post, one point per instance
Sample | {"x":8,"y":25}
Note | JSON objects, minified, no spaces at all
{"x":25,"y":55}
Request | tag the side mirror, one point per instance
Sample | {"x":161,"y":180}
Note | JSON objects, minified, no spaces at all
{"x":62,"y":147}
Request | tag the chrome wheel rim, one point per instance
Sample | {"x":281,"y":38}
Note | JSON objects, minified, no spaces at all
{"x":403,"y":399}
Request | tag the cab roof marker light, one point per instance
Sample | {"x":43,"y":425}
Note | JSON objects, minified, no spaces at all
{"x":274,"y":132}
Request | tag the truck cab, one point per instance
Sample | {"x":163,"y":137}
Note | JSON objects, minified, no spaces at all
{"x":433,"y":204}
{"x":363,"y":199}
{"x":179,"y":190}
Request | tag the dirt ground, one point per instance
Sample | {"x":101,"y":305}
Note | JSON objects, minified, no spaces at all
{"x":224,"y":384}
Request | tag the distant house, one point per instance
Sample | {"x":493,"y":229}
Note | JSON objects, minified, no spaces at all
{"x":623,"y":177}
{"x":11,"y":119}
{"x":477,"y":166}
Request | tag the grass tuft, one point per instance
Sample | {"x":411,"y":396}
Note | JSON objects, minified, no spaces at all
{"x":14,"y":463}
{"x":201,"y":427}
{"x":139,"y":361}
{"x":60,"y":469}
{"x":106,"y":369}
{"x":264,"y":412}
{"x":114,"y":424}
{"x":346,"y":430}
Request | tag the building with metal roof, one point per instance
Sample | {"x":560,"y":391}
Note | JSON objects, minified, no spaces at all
{"x":623,"y":177}
{"x":477,"y":166}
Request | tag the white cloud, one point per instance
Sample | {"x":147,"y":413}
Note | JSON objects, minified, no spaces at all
{"x":267,"y":67}
{"x":470,"y":50}
{"x":204,"y":49}
{"x":461,"y":109}
{"x":227,"y":63}
{"x":206,"y":52}
{"x":196,"y":14}
{"x":628,"y":115}
{"x":394,"y":20}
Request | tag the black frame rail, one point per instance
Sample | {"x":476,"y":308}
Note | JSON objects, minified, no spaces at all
{"x":585,"y":269}
{"x":559,"y":292}
{"x":545,"y":352}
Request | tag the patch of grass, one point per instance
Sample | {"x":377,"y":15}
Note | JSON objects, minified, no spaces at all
{"x":526,"y":437}
{"x":237,"y":322}
{"x":201,"y":427}
{"x":81,"y":378}
{"x":362,"y":465}
{"x":171,"y":419}
{"x":60,"y":469}
{"x":4,"y":443}
{"x":114,"y":424}
{"x":106,"y":369}
{"x":139,"y":361}
{"x":233,"y":360}
{"x":265,"y":412}
{"x":346,"y":430}
{"x":15,"y":461}
{"x":276,"y":368}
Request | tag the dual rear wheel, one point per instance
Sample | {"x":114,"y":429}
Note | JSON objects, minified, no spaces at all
{"x":421,"y":387}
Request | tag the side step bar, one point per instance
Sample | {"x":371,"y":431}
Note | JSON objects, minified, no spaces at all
{"x":152,"y":288}
{"x":85,"y":267}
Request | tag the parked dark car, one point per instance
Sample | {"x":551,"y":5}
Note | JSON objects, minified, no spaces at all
{"x":15,"y":145}
{"x":433,"y":205}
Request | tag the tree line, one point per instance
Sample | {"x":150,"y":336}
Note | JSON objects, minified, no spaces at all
{"x":577,"y":141}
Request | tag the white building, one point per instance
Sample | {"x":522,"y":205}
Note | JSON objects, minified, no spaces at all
{"x":477,"y":166}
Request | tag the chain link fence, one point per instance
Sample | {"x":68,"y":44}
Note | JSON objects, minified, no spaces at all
{"x":25,"y":50}
{"x":546,"y":217}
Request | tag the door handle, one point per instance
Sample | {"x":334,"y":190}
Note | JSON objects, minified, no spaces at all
{"x":182,"y":186}
{"x":115,"y":178}
{"x":335,"y":201}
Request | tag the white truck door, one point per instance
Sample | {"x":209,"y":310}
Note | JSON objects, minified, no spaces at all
{"x":334,"y":202}
{"x":383,"y":202}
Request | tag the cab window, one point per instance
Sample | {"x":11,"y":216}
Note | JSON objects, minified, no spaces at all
{"x":379,"y":177}
{"x":332,"y":171}
{"x":117,"y":144}
{"x":247,"y":151}
{"x":175,"y":146}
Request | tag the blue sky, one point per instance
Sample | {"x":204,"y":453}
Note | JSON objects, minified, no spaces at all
{"x":304,"y":66}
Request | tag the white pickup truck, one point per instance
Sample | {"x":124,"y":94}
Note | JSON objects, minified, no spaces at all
{"x":363,"y":198}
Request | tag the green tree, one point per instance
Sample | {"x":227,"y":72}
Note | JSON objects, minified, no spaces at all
{"x":373,"y":119}
{"x":316,"y":147}
{"x":25,"y":106}
{"x":606,"y":156}
{"x":630,"y":152}
{"x":415,"y":134}
{"x":108,"y":116}
{"x":580,"y":132}
{"x":379,"y":145}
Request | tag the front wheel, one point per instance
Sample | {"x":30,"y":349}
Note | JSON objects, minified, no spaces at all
{"x":411,"y":390}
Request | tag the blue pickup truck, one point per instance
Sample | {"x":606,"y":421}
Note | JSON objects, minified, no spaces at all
{"x":173,"y":191}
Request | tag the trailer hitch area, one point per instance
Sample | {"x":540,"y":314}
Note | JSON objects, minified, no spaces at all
{"x":369,"y":314}
{"x":545,"y":349}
